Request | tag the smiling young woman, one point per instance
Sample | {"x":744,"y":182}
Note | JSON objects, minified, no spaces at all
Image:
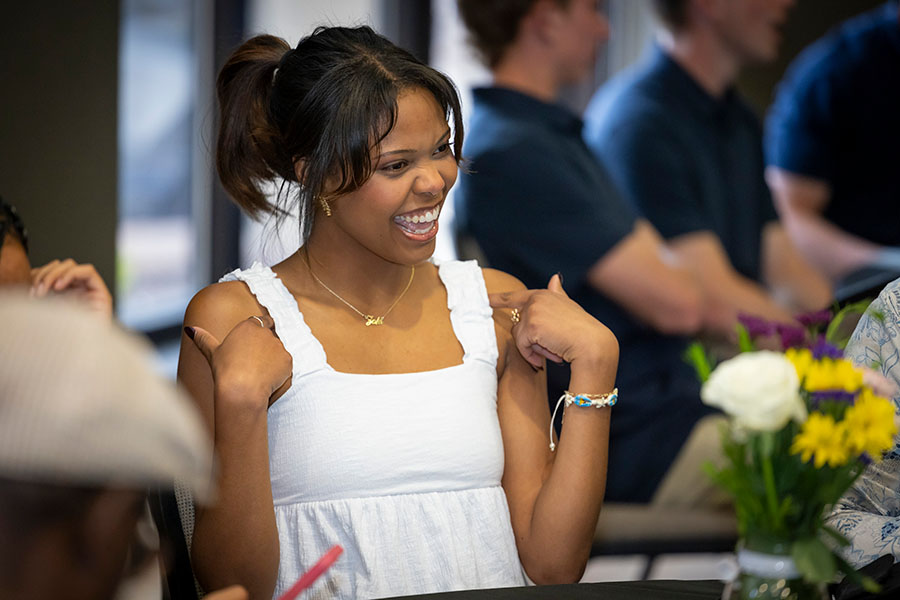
{"x":359,"y":394}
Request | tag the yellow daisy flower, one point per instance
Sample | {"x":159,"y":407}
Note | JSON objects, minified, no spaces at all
{"x":801,"y":358}
{"x":870,"y":425}
{"x":831,"y":374}
{"x":822,"y":438}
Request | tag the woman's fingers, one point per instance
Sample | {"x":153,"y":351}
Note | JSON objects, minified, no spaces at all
{"x":538,"y":349}
{"x":205,"y":342}
{"x":555,"y":285}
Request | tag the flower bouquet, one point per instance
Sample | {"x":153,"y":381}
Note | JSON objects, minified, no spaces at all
{"x":803,"y":425}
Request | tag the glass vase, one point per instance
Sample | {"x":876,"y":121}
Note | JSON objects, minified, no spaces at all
{"x":766,"y":571}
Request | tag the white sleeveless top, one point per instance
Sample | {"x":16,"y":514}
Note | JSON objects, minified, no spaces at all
{"x":402,"y":470}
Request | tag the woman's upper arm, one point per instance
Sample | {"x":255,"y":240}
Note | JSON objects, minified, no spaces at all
{"x":217,"y":309}
{"x":523,"y":414}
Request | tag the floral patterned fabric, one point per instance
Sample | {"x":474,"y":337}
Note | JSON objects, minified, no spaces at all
{"x":869,"y":514}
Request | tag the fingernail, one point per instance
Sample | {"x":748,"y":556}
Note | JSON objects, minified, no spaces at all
{"x":189,"y":331}
{"x":559,"y":274}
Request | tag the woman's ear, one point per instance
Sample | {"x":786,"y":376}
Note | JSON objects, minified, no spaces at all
{"x":300,"y":170}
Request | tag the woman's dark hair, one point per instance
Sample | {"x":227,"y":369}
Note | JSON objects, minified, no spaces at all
{"x":494,"y":24}
{"x":326,"y":103}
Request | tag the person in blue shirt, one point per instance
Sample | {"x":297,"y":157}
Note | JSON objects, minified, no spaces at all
{"x":538,"y":202}
{"x":687,"y":152}
{"x":831,"y":146}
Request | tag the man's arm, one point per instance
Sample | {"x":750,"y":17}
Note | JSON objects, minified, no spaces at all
{"x":791,"y":279}
{"x":727,"y":293}
{"x":801,"y":201}
{"x":641,"y":275}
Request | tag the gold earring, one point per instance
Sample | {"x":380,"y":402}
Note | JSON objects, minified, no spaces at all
{"x":325,"y":207}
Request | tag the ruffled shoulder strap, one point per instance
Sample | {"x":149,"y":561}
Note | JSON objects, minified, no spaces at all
{"x":470,"y":313}
{"x":305,"y":350}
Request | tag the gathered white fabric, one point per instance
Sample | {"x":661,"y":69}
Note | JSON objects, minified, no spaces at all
{"x":402,"y":470}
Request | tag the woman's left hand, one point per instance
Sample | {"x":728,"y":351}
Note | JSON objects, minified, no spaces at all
{"x":552,"y":326}
{"x":78,"y":280}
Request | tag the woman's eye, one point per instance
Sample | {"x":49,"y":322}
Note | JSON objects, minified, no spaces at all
{"x":443,"y":148}
{"x":395,"y":166}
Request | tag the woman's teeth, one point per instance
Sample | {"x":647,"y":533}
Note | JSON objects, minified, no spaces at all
{"x":420,"y":223}
{"x":428,"y":217}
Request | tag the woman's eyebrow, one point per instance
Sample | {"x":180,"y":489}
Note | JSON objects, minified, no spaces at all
{"x":408,"y":150}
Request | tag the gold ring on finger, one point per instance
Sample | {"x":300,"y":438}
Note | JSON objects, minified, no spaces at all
{"x":514,"y":316}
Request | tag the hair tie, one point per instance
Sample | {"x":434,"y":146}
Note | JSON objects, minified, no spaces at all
{"x":280,"y":64}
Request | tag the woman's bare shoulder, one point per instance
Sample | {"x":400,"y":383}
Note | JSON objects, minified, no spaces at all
{"x":497,"y":281}
{"x":219,"y":306}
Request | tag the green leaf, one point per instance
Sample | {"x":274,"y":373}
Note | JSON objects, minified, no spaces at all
{"x":745,"y":344}
{"x":814,"y":560}
{"x":854,"y":308}
{"x":697,"y":357}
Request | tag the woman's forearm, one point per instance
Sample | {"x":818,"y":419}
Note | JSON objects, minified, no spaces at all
{"x":236,"y":538}
{"x":568,"y":504}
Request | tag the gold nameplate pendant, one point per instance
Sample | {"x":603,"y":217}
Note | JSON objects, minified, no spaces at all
{"x":370,"y":320}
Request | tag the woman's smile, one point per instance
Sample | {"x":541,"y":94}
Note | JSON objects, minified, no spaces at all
{"x":420,"y":225}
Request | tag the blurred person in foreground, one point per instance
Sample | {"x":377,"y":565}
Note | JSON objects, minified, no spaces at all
{"x":537,"y":201}
{"x":58,"y":277}
{"x":687,"y":151}
{"x":832,"y":150}
{"x":869,"y":513}
{"x":86,"y":428}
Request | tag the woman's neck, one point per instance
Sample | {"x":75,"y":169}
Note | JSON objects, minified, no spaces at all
{"x":357,"y":275}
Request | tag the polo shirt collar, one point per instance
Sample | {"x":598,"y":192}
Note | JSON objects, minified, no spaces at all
{"x":679,"y":81}
{"x":512,"y":102}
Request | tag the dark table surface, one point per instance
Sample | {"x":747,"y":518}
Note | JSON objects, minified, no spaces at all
{"x":621,"y":590}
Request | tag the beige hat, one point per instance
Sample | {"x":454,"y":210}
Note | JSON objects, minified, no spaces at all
{"x":80,"y":404}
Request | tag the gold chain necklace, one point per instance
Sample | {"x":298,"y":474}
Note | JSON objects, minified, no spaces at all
{"x":370,"y":319}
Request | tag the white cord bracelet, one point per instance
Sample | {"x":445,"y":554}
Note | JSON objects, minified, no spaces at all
{"x":595,"y":400}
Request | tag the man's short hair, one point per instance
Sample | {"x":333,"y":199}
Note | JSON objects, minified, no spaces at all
{"x":673,"y":13}
{"x":494,"y":24}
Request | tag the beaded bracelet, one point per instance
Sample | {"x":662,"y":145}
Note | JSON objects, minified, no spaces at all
{"x":595,"y":400}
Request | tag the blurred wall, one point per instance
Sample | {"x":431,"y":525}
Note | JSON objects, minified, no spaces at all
{"x":58,"y":113}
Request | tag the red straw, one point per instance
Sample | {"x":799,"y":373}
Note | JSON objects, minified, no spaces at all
{"x":310,"y":576}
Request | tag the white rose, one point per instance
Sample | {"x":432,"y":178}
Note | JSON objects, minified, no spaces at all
{"x":759,"y":390}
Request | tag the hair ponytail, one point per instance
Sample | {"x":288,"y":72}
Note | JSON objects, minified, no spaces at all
{"x":248,"y":149}
{"x":328,"y":103}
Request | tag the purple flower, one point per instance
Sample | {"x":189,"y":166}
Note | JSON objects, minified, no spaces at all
{"x":791,"y":336}
{"x":817,"y":398}
{"x":865,"y":459}
{"x":822,"y":349}
{"x":756,"y":327}
{"x":820,"y":317}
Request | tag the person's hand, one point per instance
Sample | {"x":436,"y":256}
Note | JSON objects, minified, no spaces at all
{"x":233,"y":592}
{"x":81,"y":281}
{"x":250,"y":364}
{"x":554,"y":327}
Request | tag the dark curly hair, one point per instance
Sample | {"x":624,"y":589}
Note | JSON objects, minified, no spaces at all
{"x":11,"y":224}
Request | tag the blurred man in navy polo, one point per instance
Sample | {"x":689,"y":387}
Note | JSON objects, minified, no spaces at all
{"x":687,"y":152}
{"x":537,"y":202}
{"x":832,"y":147}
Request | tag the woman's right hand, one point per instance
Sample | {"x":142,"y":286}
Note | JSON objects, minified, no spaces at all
{"x":551,"y":326}
{"x":250,"y":364}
